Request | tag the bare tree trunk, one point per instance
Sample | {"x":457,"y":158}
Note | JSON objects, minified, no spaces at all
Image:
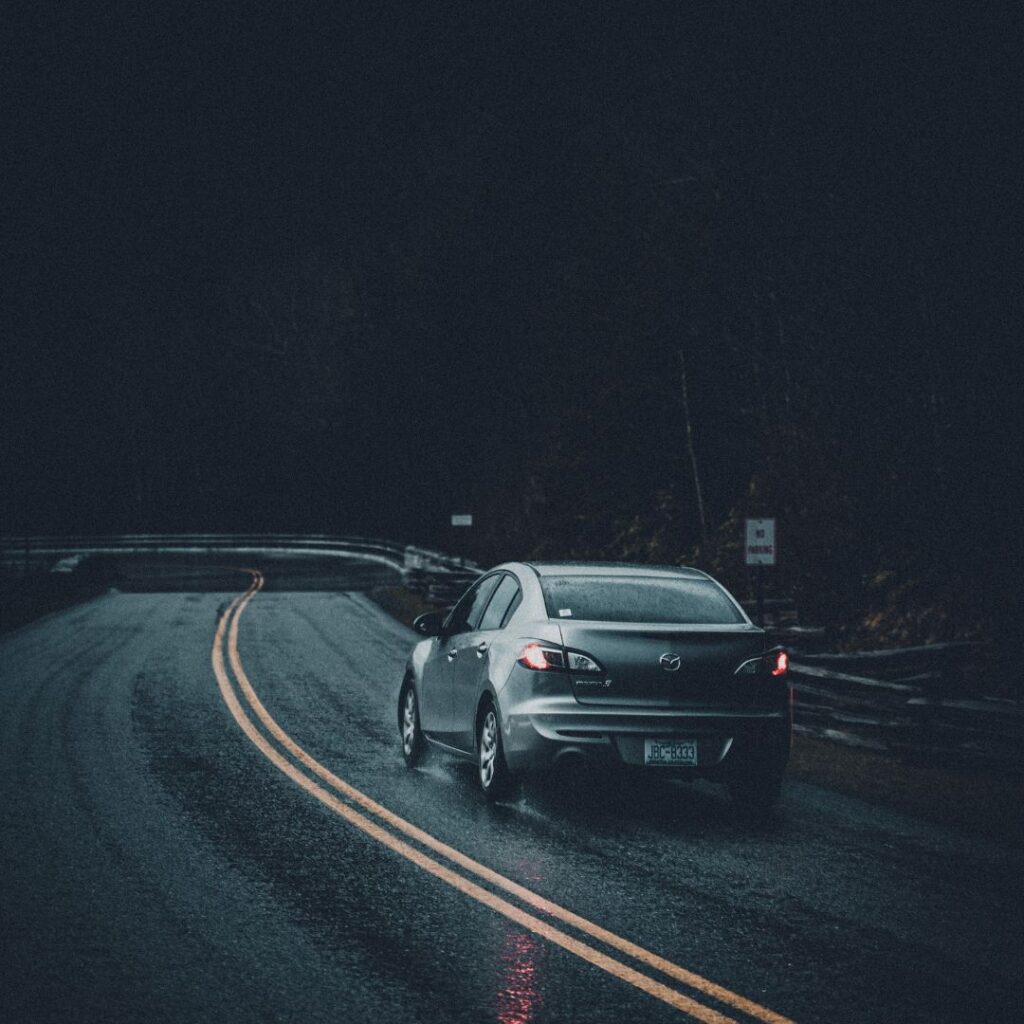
{"x":938,"y":457}
{"x":934,"y":398}
{"x":689,"y":447}
{"x":783,"y":359}
{"x":759,"y":383}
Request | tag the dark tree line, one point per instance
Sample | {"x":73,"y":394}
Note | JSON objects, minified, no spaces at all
{"x":355,"y":272}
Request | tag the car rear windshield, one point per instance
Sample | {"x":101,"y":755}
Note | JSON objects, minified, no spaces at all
{"x":638,"y":599}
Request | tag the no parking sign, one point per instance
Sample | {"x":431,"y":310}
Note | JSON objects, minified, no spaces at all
{"x":760,"y":546}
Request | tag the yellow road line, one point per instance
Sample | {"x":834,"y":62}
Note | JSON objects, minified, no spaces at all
{"x":229,"y":624}
{"x":528,"y":921}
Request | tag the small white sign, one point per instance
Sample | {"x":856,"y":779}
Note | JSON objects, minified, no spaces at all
{"x":760,"y":546}
{"x":462,"y":520}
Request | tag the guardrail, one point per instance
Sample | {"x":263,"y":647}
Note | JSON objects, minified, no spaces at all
{"x":911,"y":702}
{"x":437,"y":576}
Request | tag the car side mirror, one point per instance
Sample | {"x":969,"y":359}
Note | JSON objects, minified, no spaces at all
{"x":430,"y":623}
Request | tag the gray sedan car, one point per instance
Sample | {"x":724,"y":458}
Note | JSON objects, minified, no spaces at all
{"x":652,"y":668}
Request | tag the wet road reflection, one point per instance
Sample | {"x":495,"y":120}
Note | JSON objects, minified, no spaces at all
{"x":519,"y":989}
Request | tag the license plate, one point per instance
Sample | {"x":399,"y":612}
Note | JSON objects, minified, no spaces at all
{"x":670,"y":752}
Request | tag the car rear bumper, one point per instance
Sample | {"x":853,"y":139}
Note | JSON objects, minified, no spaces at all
{"x":537,"y":738}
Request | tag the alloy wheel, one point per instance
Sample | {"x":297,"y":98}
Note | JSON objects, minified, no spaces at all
{"x":488,"y":749}
{"x":410,"y":724}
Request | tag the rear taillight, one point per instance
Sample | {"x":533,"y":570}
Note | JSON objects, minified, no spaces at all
{"x":774,"y":662}
{"x":540,"y":657}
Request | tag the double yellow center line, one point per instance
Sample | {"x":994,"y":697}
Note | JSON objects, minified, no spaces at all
{"x":343,"y":799}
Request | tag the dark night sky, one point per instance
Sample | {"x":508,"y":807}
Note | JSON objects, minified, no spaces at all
{"x":496,"y":221}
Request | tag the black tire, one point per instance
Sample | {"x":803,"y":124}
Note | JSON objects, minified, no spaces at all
{"x":413,"y":744}
{"x":492,"y":771}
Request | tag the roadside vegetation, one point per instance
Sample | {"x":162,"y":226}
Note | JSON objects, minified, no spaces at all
{"x":870,"y":586}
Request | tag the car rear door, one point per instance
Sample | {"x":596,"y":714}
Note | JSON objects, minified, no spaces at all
{"x":475,"y":666}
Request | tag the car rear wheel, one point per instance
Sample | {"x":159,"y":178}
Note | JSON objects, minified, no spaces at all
{"x":413,"y":744}
{"x":492,"y":771}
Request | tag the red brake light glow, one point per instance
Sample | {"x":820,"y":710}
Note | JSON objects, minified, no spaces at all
{"x":781,"y":664}
{"x":533,"y":657}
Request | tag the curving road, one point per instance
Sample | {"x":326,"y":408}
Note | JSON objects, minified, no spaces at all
{"x":204,"y":815}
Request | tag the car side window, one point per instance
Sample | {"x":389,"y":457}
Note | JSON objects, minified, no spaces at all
{"x":497,"y":610}
{"x":466,"y":614}
{"x":455,"y":622}
{"x":512,"y":608}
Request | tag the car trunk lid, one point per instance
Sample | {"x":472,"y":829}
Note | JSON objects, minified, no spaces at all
{"x":648,"y":665}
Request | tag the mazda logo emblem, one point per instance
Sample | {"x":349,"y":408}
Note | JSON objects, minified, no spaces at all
{"x":670,"y":662}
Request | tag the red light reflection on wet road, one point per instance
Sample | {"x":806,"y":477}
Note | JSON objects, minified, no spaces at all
{"x":518,"y":995}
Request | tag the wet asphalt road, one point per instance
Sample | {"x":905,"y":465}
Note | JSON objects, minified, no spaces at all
{"x":154,"y":865}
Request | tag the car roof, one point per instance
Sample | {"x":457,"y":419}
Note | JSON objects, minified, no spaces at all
{"x":614,"y":569}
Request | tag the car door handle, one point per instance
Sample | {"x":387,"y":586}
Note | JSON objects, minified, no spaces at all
{"x":453,"y":653}
{"x":481,"y":648}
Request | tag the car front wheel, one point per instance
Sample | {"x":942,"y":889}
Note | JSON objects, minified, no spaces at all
{"x":409,"y":721}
